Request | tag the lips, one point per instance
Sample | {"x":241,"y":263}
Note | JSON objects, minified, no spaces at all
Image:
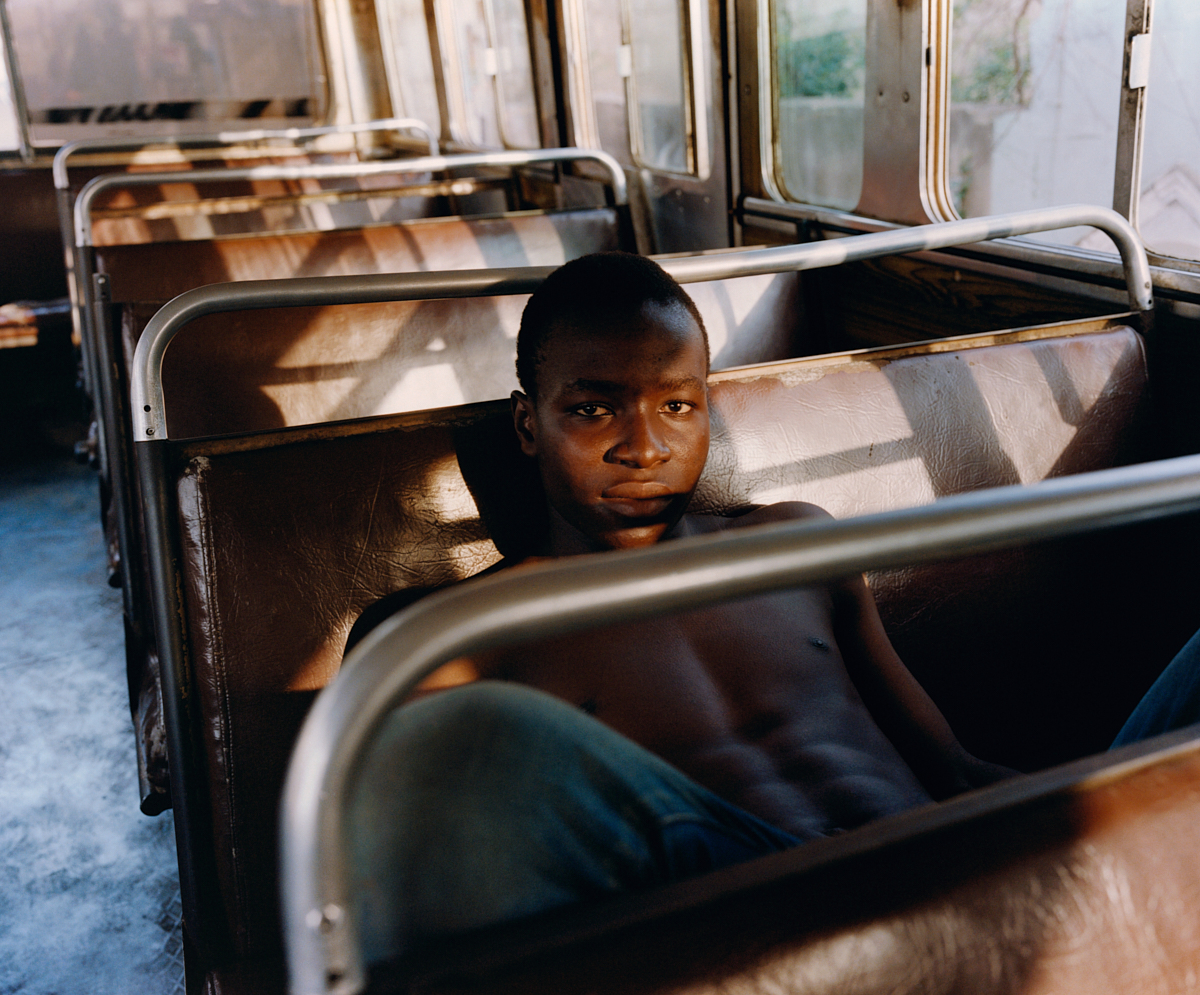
{"x":636,"y":499}
{"x":637,"y":490}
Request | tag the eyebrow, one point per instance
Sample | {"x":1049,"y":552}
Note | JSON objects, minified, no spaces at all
{"x":585,"y":385}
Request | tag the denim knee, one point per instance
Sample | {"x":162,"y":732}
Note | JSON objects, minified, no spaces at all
{"x":494,"y":801}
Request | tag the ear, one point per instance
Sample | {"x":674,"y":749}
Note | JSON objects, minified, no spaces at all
{"x":525,"y":422}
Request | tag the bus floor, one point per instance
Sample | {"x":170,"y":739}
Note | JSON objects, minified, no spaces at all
{"x":90,"y":885}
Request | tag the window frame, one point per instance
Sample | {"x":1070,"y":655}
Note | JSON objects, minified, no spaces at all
{"x":924,"y":193}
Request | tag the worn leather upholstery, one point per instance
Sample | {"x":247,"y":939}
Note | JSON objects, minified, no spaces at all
{"x":287,"y":537}
{"x":160,"y":271}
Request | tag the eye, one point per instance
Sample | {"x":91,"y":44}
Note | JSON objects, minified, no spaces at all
{"x":591,"y":410}
{"x":679,"y":407}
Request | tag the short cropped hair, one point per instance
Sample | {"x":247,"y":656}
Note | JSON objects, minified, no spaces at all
{"x":593,"y":291}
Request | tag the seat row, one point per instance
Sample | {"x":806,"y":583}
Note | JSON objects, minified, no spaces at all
{"x":262,"y":546}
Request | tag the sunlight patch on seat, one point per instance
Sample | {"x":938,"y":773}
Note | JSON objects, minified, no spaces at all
{"x":425,"y":387}
{"x":1038,"y":386}
{"x":308,"y":402}
{"x":859,"y":492}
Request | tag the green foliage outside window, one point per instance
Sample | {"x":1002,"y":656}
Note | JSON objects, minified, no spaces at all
{"x":831,"y":64}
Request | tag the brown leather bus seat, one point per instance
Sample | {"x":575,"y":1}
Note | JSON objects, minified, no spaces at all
{"x":289,"y":535}
{"x":160,"y":271}
{"x":132,"y":215}
{"x":255,"y":370}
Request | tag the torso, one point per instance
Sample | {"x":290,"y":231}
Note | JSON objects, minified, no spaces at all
{"x":749,"y":698}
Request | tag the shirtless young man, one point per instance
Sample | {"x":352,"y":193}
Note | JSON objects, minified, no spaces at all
{"x":781,"y":718}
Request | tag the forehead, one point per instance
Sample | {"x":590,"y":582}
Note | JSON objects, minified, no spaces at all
{"x":637,"y":348}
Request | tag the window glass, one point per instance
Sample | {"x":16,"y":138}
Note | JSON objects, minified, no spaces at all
{"x":10,"y":137}
{"x":608,"y":68}
{"x":514,"y":76}
{"x":1035,"y":95}
{"x":659,"y":71}
{"x":475,"y":70}
{"x":1169,"y":213}
{"x":819,"y":71}
{"x":165,"y":65}
{"x":409,"y":60}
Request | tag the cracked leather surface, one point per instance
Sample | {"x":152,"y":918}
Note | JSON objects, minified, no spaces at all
{"x":283,"y":547}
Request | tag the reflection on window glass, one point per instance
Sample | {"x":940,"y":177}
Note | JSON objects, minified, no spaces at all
{"x":819,"y":68}
{"x":1169,"y":213}
{"x":122,"y":62}
{"x":10,"y":137}
{"x":409,"y":60}
{"x":1035,"y":92}
{"x":659,"y":72}
{"x":607,"y":71}
{"x":514,"y":76}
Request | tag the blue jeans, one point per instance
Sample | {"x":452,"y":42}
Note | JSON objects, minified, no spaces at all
{"x":494,"y":801}
{"x":1172,"y":702}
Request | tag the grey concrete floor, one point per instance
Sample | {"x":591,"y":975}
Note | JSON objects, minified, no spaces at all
{"x":89,"y":892}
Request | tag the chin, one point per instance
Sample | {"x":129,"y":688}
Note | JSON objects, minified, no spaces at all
{"x":635,"y":537}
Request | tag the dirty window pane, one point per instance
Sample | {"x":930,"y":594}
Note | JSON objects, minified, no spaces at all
{"x":165,"y":66}
{"x":1169,"y":213}
{"x":819,"y":68}
{"x":659,"y":71}
{"x":1035,"y":93}
{"x":514,"y":75}
{"x":606,"y":62}
{"x":409,"y":60}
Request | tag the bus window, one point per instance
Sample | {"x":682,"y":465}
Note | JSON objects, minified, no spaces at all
{"x":608,"y":68}
{"x":409,"y":60}
{"x":1035,"y":93}
{"x":475,"y":59}
{"x":491,"y":90}
{"x":165,"y":65}
{"x":514,"y":75}
{"x":818,"y":48}
{"x":655,"y":64}
{"x":10,"y":137}
{"x":1169,"y":210}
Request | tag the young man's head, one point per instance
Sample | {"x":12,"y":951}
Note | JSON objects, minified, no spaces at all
{"x":612,"y":358}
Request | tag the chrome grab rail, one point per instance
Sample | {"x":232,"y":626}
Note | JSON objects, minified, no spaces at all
{"x":422,"y":164}
{"x":557,"y":598}
{"x":148,"y":405}
{"x":220,"y":138}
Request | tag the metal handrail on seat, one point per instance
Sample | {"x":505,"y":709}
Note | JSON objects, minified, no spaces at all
{"x":148,"y":406}
{"x":218,"y":139}
{"x":553,"y":599}
{"x":317,"y":171}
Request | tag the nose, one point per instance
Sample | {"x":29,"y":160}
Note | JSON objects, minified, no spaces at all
{"x":642,"y":444}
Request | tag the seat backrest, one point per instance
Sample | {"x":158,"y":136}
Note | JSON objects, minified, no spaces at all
{"x":288,"y":536}
{"x":158,"y":272}
{"x":164,"y":212}
{"x":256,"y":370}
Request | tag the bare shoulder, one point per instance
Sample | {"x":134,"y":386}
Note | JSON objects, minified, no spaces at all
{"x":784,"y":511}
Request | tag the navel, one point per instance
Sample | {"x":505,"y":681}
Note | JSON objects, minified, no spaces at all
{"x":818,"y":642}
